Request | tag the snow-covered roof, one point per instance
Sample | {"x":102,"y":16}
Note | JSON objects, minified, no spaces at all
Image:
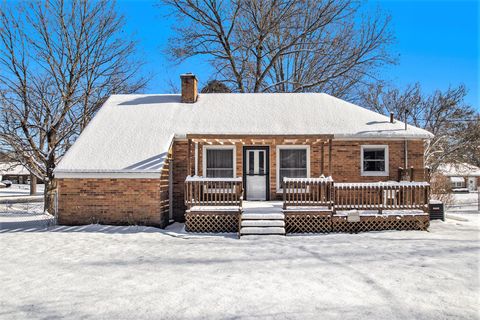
{"x":457,"y":179}
{"x":12,"y":168}
{"x":459,"y":170}
{"x":132,"y":133}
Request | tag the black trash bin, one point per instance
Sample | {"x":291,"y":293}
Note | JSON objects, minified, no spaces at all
{"x":436,"y":210}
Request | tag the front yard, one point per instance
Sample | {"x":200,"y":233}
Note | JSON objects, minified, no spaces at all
{"x":136,"y":272}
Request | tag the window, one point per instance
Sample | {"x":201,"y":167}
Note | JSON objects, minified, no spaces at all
{"x":457,"y":182}
{"x":292,"y":162}
{"x":219,"y":162}
{"x":374,"y":160}
{"x":458,"y":185}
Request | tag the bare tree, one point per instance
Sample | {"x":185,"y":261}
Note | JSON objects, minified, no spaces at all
{"x":283,"y":45}
{"x":59,"y":61}
{"x":455,"y":124}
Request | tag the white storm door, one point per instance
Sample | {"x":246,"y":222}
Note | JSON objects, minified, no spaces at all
{"x":256,"y":174}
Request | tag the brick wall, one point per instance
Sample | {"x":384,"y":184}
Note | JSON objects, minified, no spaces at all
{"x":115,"y":201}
{"x":145,"y":201}
{"x":180,"y":172}
{"x":346,"y":157}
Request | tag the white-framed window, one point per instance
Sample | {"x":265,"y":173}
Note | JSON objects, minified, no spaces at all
{"x":458,"y":185}
{"x":457,"y":182}
{"x":293,"y":161}
{"x":374,"y":160}
{"x":219,"y":161}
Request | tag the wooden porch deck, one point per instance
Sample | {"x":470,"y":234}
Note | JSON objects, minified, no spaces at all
{"x":313,"y":205}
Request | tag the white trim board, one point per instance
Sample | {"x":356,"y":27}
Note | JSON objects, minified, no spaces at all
{"x":375,"y":173}
{"x":218,"y":147}
{"x":108,"y":175}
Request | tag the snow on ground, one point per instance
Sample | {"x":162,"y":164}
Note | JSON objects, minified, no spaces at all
{"x":464,"y":203}
{"x":139,"y":272}
{"x":24,"y":217}
{"x":20,"y":190}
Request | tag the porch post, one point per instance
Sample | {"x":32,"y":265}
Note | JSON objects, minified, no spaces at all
{"x":189,"y":157}
{"x":196,"y":159}
{"x":322,"y":159}
{"x":330,"y":157}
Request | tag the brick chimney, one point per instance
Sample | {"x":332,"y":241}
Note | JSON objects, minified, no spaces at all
{"x":189,"y":88}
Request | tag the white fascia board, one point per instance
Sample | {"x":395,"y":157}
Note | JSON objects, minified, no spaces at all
{"x":108,"y":175}
{"x":347,"y":137}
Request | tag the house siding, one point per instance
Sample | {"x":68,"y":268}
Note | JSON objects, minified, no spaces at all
{"x":180,"y":172}
{"x":346,"y":158}
{"x":136,"y":201}
{"x":146,"y":201}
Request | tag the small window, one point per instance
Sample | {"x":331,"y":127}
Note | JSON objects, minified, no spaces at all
{"x":219,"y":163}
{"x":374,"y":160}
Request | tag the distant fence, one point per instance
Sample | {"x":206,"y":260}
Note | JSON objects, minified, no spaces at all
{"x":25,"y":213}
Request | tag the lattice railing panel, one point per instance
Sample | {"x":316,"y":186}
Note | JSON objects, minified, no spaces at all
{"x":211,"y":222}
{"x":340,"y":224}
{"x":308,"y":223}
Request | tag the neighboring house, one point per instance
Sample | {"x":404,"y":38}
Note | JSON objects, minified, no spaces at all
{"x":14,"y":172}
{"x":131,"y":162}
{"x":463,"y":176}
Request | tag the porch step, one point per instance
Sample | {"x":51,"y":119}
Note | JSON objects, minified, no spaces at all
{"x":263,"y":223}
{"x":262,"y":230}
{"x":262,"y":216}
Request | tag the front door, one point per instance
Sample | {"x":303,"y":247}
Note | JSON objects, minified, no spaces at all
{"x":256,"y":172}
{"x":472,"y":184}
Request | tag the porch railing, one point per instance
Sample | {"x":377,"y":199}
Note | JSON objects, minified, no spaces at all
{"x":200,"y":191}
{"x":344,"y":196}
{"x":307,"y":192}
{"x":382,"y":195}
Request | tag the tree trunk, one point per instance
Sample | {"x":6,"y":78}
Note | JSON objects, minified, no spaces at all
{"x":50,"y":190}
{"x":33,"y":184}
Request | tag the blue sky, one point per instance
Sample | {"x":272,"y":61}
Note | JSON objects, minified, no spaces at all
{"x":437,"y":43}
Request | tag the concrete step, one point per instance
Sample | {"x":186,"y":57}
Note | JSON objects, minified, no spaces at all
{"x":263,"y":216}
{"x":263,"y":223}
{"x":262,"y":230}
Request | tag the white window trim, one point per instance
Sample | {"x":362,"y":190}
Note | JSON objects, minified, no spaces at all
{"x":375,"y":173}
{"x":218,"y":147}
{"x":277,"y":165}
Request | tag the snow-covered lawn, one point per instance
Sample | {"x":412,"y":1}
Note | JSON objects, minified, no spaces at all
{"x":464,"y":203}
{"x":20,"y":190}
{"x":136,"y":272}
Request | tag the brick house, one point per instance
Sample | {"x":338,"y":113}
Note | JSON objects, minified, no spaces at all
{"x":463,"y":176}
{"x":131,"y":162}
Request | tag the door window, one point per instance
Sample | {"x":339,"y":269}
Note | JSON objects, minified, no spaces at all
{"x":256,"y":162}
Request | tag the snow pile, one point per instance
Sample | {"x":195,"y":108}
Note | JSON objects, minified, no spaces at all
{"x":309,"y":180}
{"x":205,"y":179}
{"x":381,"y":184}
